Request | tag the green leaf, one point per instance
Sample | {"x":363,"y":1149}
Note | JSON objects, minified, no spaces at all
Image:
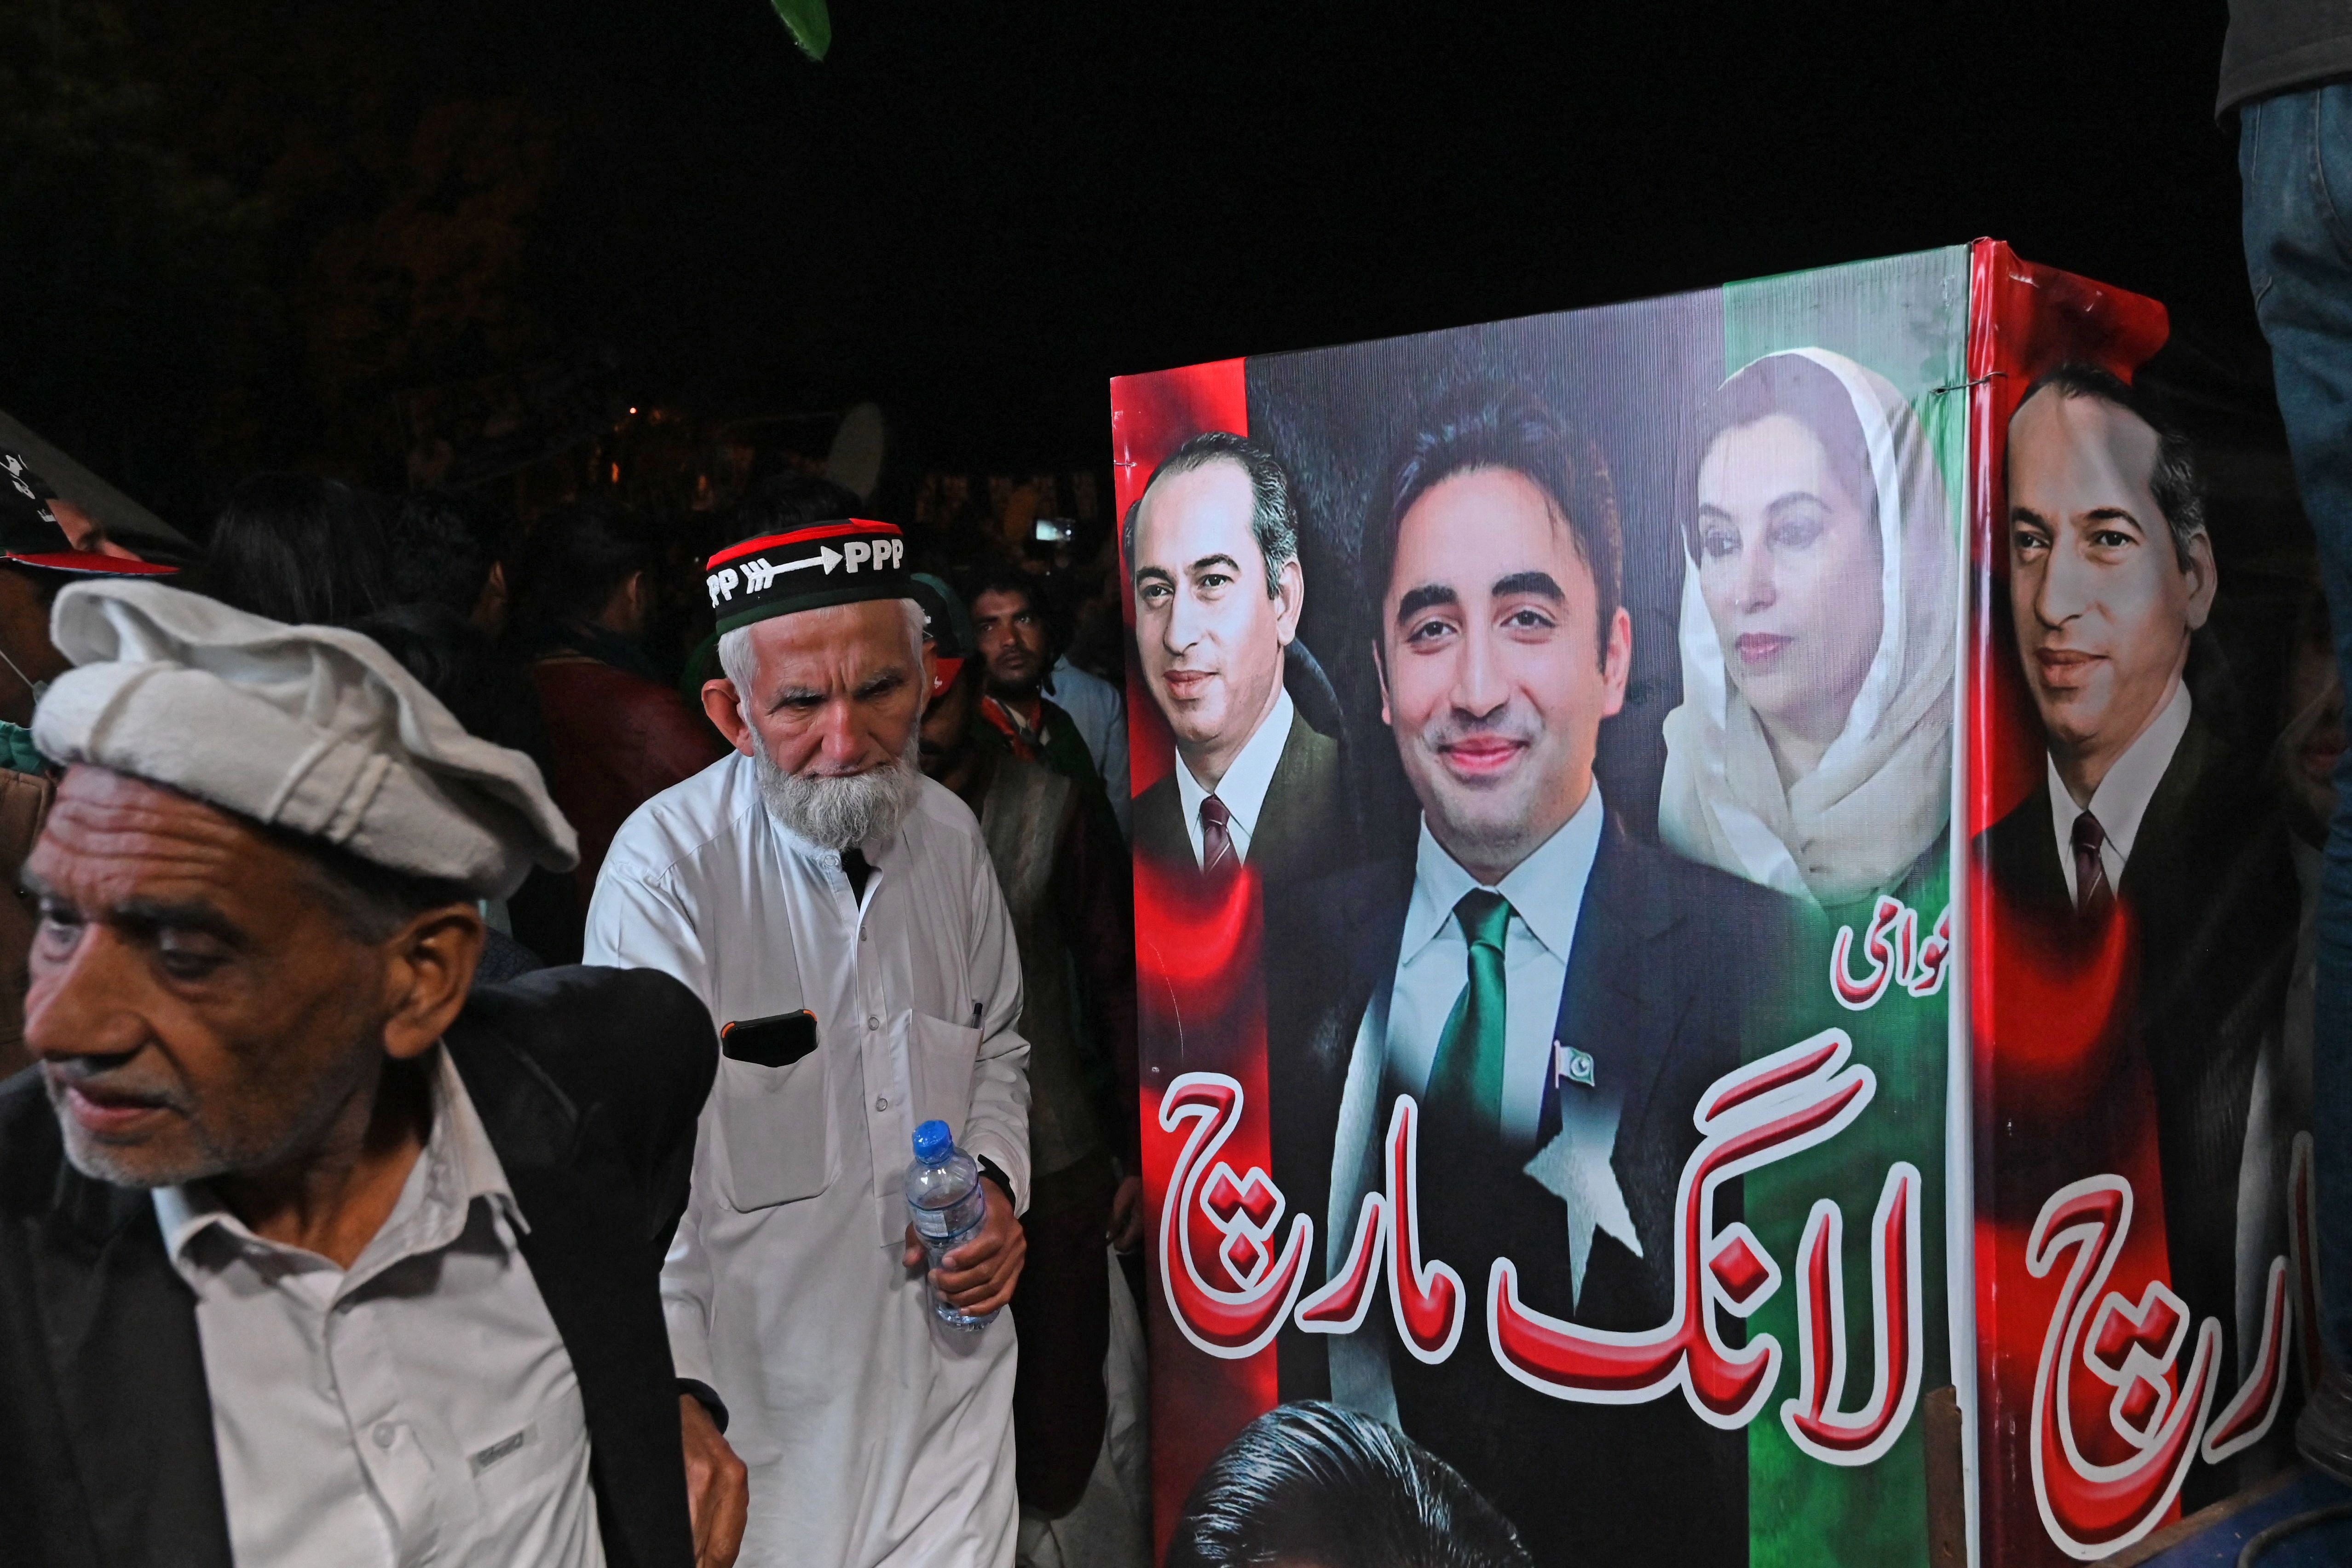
{"x":811,"y":29}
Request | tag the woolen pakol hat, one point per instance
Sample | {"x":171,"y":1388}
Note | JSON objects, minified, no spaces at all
{"x":314,"y":730}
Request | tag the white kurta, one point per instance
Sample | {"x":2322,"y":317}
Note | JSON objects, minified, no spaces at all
{"x":872,"y":1435}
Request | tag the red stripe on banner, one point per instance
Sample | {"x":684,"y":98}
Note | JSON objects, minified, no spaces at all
{"x":1201,"y":1008}
{"x":2061,"y":1094}
{"x":1151,"y":416}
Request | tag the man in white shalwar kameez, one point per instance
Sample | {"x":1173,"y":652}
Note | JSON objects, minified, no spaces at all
{"x":817,"y":869}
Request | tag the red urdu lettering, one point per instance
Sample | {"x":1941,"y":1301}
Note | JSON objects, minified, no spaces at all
{"x":1895,"y":952}
{"x":2093,"y":1509}
{"x":1236,"y":1320}
{"x":1766,"y":1112}
{"x":1813,"y":1419}
{"x":1857,"y":994}
{"x":1428,"y":1299}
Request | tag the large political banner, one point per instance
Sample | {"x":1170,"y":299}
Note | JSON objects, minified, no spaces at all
{"x":1547,"y":736}
{"x":2154,"y":718}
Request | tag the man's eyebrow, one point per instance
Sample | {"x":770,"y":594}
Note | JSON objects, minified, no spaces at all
{"x":791,"y":694}
{"x":1428,"y":596}
{"x":2018,"y":514}
{"x":167,"y":914}
{"x":1541,"y":583}
{"x":882,"y":680}
{"x":1220,"y":559}
{"x":2115,"y":514}
{"x":1156,"y":574}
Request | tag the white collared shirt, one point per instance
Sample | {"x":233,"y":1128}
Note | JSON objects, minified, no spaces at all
{"x":418,"y":1407}
{"x":2121,"y":800}
{"x":872,"y":1436}
{"x":1546,"y":892}
{"x":1243,"y":787}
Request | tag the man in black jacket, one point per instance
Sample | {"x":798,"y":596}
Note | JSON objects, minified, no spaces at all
{"x":2144,"y":807}
{"x":305,"y":1253}
{"x":1554,"y":996}
{"x":1213,"y":543}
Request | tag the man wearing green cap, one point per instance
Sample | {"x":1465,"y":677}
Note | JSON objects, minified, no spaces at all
{"x":838,"y":914}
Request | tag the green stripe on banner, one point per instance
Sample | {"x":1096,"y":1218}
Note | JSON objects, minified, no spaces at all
{"x":1905,"y":318}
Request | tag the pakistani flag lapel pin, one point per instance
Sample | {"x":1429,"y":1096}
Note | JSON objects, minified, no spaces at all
{"x":1572,"y":1066}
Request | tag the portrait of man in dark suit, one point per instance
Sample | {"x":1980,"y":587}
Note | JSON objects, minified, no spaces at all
{"x":1554,"y":995}
{"x":1212,"y":552}
{"x":2144,"y":804}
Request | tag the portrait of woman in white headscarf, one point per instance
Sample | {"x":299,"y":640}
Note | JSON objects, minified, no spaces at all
{"x":1812,"y":752}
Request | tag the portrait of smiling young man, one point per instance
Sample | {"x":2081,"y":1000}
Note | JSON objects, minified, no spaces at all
{"x":2145,"y":804}
{"x":313,"y":1252}
{"x":1553,"y":995}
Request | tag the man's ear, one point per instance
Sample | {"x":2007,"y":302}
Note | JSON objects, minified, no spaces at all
{"x":1616,"y":663}
{"x":1289,"y":600}
{"x":724,"y":708}
{"x":2203,"y":578}
{"x":490,"y":610}
{"x":429,"y":967}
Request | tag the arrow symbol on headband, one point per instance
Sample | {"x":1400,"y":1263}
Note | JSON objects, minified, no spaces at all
{"x":760,"y":573}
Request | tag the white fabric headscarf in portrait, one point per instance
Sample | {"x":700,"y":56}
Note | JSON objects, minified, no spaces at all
{"x":1884,"y":789}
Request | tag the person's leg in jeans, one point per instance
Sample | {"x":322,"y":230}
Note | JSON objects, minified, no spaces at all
{"x":2295,"y":161}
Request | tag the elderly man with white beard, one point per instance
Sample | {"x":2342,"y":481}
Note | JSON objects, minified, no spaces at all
{"x":837,"y":913}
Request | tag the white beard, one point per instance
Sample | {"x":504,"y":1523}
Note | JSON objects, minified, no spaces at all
{"x":836,"y":813}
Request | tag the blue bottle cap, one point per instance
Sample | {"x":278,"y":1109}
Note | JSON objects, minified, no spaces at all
{"x":933,"y":1142}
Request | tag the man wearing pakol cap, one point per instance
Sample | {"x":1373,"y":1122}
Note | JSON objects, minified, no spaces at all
{"x":837,"y":913}
{"x":306,"y":1255}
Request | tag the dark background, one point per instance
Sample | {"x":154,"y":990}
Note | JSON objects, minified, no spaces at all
{"x":245,"y":234}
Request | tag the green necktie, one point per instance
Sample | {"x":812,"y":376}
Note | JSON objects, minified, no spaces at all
{"x":1465,"y":1085}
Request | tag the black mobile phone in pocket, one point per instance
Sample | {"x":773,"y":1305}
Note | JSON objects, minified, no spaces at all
{"x":776,"y":1042}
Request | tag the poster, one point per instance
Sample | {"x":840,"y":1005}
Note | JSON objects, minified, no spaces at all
{"x":1546,"y":743}
{"x":2154,"y":717}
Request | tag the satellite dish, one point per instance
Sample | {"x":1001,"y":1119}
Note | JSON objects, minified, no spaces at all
{"x":854,"y":462}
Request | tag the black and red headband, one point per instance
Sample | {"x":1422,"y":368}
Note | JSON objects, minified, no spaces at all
{"x":807,"y":569}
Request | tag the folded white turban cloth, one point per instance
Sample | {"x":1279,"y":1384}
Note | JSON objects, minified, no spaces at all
{"x":313,"y":730}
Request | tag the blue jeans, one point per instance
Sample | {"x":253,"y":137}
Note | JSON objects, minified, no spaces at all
{"x":2294,"y":163}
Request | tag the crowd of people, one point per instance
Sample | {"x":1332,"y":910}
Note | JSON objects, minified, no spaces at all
{"x":377,"y":1227}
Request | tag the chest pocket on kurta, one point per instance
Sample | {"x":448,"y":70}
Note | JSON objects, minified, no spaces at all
{"x":940,"y":1058}
{"x":775,"y":1124}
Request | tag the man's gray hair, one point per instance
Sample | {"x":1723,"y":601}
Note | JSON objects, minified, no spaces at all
{"x":1274,"y":517}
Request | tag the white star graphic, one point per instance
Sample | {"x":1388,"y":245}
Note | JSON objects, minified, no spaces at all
{"x":1575,"y":1167}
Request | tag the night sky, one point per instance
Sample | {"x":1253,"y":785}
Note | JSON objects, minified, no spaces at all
{"x":976,"y":214}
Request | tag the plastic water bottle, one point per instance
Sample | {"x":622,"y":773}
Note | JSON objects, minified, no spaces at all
{"x":944,"y":1200}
